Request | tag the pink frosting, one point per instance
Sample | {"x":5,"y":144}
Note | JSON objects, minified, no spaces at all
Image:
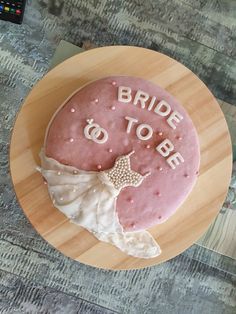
{"x":160,"y":194}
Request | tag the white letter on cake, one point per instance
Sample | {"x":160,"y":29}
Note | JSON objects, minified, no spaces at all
{"x":174,"y":160}
{"x":124,"y":94}
{"x":163,"y":108}
{"x":151,"y":104}
{"x":142,"y":97}
{"x":165,"y":148}
{"x":175,"y":116}
{"x":130,"y":123}
{"x":140,"y":129}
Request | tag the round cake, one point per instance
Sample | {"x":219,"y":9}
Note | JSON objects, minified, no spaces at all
{"x":128,"y":116}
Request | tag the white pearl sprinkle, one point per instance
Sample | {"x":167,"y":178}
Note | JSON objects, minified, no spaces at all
{"x":71,"y":140}
{"x":99,"y":166}
{"x":148,"y":146}
{"x":110,"y":150}
{"x":72,"y":110}
{"x":45,"y":182}
{"x":58,"y":173}
{"x":160,"y":133}
{"x":113,"y":83}
{"x":75,"y":172}
{"x":113,"y":108}
{"x":74,"y":190}
{"x":96,"y":100}
{"x":61,"y":198}
{"x":160,"y":168}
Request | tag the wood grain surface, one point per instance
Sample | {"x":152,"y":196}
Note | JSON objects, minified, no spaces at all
{"x":190,"y":221}
{"x":221,"y":234}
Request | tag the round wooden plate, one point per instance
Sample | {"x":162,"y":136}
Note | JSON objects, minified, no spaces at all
{"x":191,"y":219}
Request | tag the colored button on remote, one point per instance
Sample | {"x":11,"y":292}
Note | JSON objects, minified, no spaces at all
{"x":12,"y":11}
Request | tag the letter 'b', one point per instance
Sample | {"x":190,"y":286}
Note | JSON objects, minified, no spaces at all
{"x":165,"y":148}
{"x":124,"y":94}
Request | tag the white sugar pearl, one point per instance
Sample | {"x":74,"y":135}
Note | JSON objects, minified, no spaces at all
{"x":113,"y":83}
{"x":71,"y":140}
{"x":58,"y":173}
{"x":96,"y":100}
{"x":61,"y":198}
{"x":113,"y":108}
{"x":110,"y":150}
{"x":75,"y":172}
{"x":72,"y":110}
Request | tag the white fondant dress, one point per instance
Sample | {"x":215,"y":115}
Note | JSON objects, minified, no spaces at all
{"x":88,"y":198}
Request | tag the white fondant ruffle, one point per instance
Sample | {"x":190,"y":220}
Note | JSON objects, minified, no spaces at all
{"x":88,"y":198}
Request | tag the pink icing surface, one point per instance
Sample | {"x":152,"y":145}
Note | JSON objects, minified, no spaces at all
{"x":160,"y":194}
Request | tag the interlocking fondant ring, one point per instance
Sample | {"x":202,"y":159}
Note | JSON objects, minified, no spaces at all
{"x":95,"y":133}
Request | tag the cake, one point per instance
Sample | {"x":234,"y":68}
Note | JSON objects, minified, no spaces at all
{"x":120,"y":155}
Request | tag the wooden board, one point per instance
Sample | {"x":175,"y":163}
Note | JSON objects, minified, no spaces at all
{"x":201,"y":207}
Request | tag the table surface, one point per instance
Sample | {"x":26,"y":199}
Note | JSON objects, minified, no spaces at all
{"x":33,"y":276}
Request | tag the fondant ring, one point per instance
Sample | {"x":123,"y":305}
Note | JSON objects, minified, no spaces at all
{"x":87,"y":130}
{"x":95,"y":133}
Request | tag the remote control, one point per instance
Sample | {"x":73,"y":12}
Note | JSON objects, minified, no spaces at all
{"x":12,"y":11}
